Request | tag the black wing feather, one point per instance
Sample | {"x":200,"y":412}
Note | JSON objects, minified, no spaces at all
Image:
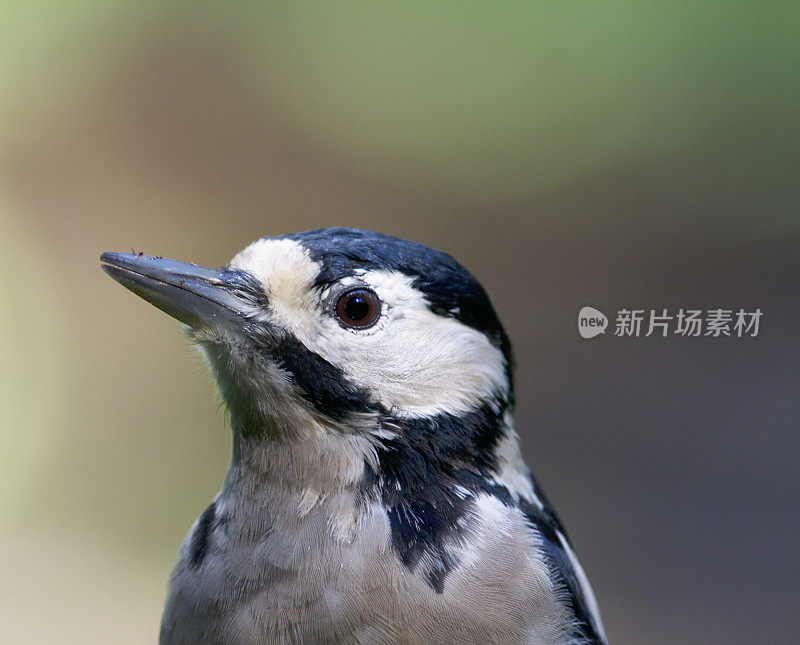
{"x":546,"y":522}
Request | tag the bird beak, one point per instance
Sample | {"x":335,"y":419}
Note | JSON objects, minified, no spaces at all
{"x":194,"y":295}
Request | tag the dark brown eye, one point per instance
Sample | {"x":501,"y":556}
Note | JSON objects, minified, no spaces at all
{"x":358,"y":308}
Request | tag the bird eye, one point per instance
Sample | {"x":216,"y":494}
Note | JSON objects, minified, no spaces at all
{"x":358,"y":308}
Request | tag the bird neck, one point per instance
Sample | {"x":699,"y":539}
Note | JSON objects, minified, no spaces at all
{"x":306,"y":454}
{"x":279,"y":490}
{"x":322,"y":462}
{"x":422,"y":477}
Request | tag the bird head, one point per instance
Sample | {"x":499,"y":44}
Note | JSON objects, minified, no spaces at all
{"x":332,"y":330}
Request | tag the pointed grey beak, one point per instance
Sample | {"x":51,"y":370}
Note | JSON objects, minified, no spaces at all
{"x":194,"y":295}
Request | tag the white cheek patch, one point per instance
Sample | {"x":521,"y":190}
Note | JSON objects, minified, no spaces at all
{"x":413,"y":361}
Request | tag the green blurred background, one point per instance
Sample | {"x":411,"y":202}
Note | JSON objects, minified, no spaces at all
{"x":620,"y":155}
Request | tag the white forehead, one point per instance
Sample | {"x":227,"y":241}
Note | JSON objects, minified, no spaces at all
{"x":282,"y":266}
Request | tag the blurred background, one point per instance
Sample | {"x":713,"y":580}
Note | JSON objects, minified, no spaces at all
{"x":644,"y":155}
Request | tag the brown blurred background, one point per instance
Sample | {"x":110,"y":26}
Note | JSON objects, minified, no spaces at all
{"x":641,"y":156}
